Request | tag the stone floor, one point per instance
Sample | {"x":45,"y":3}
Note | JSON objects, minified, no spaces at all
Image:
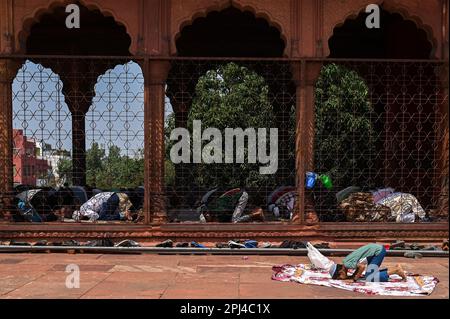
{"x":173,"y":276}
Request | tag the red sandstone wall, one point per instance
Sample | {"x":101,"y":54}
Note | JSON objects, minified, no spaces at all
{"x":426,"y":14}
{"x":27,"y":12}
{"x":306,"y":25}
{"x":277,"y":13}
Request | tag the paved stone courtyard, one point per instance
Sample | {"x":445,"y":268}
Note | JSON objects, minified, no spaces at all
{"x":174,"y":276}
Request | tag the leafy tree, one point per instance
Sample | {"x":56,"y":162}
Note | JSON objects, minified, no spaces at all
{"x":112,"y":171}
{"x":228,"y":96}
{"x":120,"y":170}
{"x":345,"y":137}
{"x":64,"y":170}
{"x":94,"y":164}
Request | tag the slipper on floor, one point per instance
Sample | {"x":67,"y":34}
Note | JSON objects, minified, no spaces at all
{"x":413,"y":254}
{"x":251,"y":244}
{"x":127,"y":243}
{"x":233,"y":244}
{"x":166,"y":244}
{"x":196,"y":245}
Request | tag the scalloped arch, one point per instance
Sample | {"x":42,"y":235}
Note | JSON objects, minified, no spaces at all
{"x":35,"y":17}
{"x":217,"y":7}
{"x":391,"y":8}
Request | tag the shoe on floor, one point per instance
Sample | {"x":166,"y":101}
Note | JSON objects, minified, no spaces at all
{"x":55,"y":243}
{"x":415,"y":246}
{"x":430,"y":247}
{"x":70,"y":242}
{"x":300,"y":244}
{"x":251,"y":244}
{"x":412,"y":254}
{"x":286,"y":244}
{"x":197,"y":245}
{"x":127,"y":243}
{"x":100,"y":243}
{"x":166,"y":244}
{"x":399,"y":244}
{"x":41,"y":243}
{"x":233,"y":244}
{"x":18,"y":243}
{"x":322,"y":246}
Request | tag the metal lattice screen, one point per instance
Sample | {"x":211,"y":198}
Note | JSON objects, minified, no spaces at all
{"x":78,"y":130}
{"x":377,"y":124}
{"x":223,"y":94}
{"x":380,"y":126}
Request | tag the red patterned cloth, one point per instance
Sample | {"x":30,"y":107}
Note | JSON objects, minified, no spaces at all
{"x":415,"y":285}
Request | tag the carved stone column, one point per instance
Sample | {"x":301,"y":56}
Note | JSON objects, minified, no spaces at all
{"x":443,"y":146}
{"x":305,"y":74}
{"x":78,"y":106}
{"x":8,"y":70}
{"x":78,"y":147}
{"x":155,"y":75}
{"x":79,"y":78}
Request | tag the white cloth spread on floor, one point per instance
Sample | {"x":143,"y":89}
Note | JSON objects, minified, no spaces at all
{"x":415,"y":285}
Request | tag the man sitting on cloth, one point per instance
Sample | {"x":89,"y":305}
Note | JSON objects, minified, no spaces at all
{"x":372,"y":255}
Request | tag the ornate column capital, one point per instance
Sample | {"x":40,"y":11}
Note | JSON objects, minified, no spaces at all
{"x":8,"y":70}
{"x":156,"y":71}
{"x":306,"y":72}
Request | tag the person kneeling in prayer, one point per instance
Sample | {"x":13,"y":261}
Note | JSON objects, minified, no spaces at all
{"x":105,"y":206}
{"x":229,"y":207}
{"x":371,"y":255}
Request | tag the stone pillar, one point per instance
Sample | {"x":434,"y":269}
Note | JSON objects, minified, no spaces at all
{"x":78,"y":106}
{"x":443,"y":146}
{"x":78,"y":147}
{"x":180,"y":95}
{"x":155,"y":75}
{"x":79,"y":78}
{"x":8,"y":70}
{"x":305,"y":74}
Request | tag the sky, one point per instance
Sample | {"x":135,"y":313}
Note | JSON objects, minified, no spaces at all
{"x":116,"y":116}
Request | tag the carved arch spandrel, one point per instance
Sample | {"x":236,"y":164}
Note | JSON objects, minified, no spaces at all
{"x":33,"y":15}
{"x":406,"y":12}
{"x":275,"y":13}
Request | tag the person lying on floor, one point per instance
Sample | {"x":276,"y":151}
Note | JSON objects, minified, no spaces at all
{"x":369,"y":256}
{"x":229,"y":207}
{"x":105,"y":206}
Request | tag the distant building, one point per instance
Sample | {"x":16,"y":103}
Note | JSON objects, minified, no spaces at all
{"x":29,"y":166}
{"x":53,"y":156}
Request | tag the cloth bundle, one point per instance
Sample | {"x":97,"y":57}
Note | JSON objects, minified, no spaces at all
{"x":404,"y":207}
{"x":359,"y":207}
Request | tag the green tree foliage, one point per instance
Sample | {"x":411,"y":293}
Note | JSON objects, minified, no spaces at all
{"x":229,"y":96}
{"x":345,"y":137}
{"x":64,"y":170}
{"x":109,"y":170}
{"x":94,"y":164}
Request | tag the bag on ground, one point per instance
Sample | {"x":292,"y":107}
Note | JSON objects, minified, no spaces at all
{"x":317,"y":259}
